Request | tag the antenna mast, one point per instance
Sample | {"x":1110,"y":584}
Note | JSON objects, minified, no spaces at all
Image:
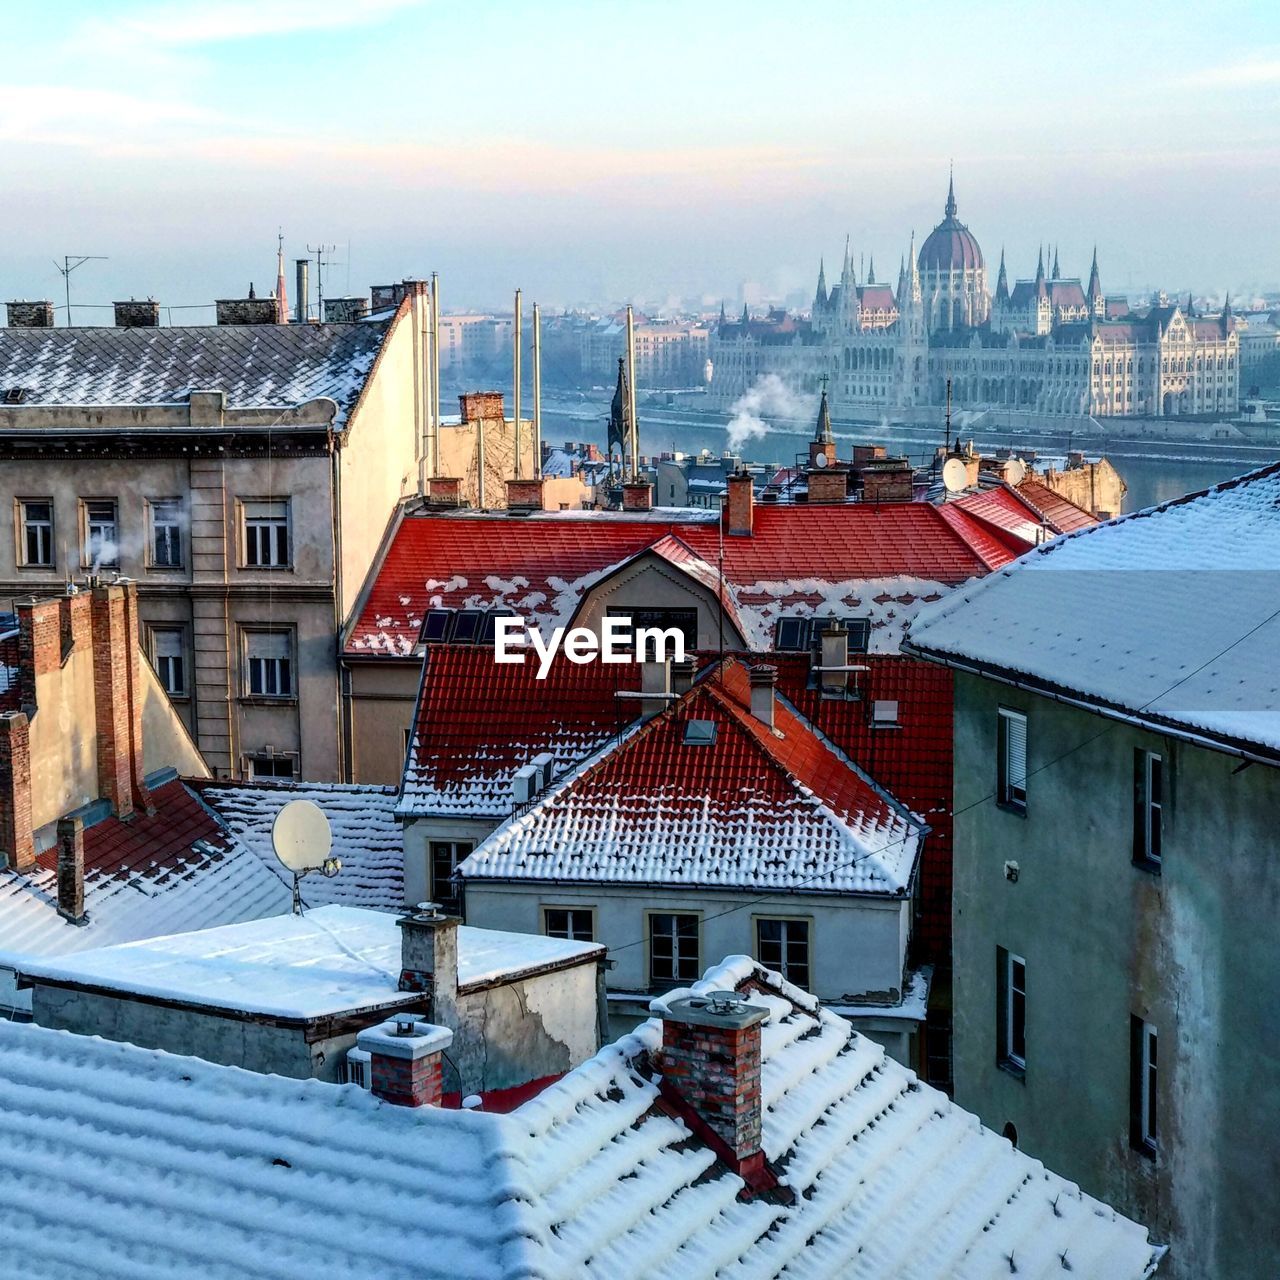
{"x":515,"y":378}
{"x":320,"y":251}
{"x":69,"y":263}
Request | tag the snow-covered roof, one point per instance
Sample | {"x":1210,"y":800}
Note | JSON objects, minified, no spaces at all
{"x":366,"y":835}
{"x":752,"y":808}
{"x":164,"y":873}
{"x":255,"y":365}
{"x":326,"y":961}
{"x":174,"y":1166}
{"x":1169,"y":615}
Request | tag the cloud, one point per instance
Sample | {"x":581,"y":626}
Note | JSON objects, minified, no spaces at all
{"x":1237,"y":75}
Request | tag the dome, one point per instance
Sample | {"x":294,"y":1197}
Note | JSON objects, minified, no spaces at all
{"x":951,"y":245}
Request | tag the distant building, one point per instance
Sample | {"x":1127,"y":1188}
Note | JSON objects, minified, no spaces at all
{"x":1048,"y":346}
{"x":1117,"y":792}
{"x":743,"y":1129}
{"x":669,"y":353}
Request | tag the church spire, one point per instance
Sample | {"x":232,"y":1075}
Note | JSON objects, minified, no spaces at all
{"x":913,"y":270}
{"x":619,"y":414}
{"x":950,"y":210}
{"x":871,"y":273}
{"x":1228,"y":322}
{"x":823,"y":434}
{"x":820,"y":297}
{"x":1002,"y":281}
{"x":1191,"y":306}
{"x":844,"y":270}
{"x":901,"y":293}
{"x":1095,"y":283}
{"x":1057,"y":274}
{"x":746,"y":318}
{"x":723,"y":318}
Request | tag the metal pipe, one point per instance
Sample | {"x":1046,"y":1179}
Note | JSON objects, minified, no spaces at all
{"x":537,"y":392}
{"x":631,"y":394}
{"x":301,"y":304}
{"x":515,"y":349}
{"x":435,"y":374}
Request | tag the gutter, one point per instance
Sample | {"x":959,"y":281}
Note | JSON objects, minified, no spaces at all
{"x":1155,"y":724}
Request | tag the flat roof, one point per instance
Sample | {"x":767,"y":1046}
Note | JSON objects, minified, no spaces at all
{"x":328,"y":961}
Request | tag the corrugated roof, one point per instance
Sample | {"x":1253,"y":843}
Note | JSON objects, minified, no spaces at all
{"x":256,"y":365}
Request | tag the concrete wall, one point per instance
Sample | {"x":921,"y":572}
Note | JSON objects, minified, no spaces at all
{"x":460,"y":457}
{"x":380,"y":700}
{"x":64,"y":739}
{"x":1193,"y":950}
{"x":857,"y":944}
{"x":166,"y":741}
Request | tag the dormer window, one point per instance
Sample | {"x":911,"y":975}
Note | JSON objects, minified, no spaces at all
{"x":437,"y":626}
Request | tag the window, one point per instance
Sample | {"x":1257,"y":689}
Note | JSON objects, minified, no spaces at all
{"x":166,"y":534}
{"x":783,"y":946}
{"x":1143,"y":1119}
{"x":489,"y":625}
{"x":1011,"y":787}
{"x":269,"y":664}
{"x":270,"y":765}
{"x":168,"y":660}
{"x":266,"y":534}
{"x":445,"y":857}
{"x":699,"y":733}
{"x":1011,"y":1011}
{"x":467,"y":626}
{"x":791,"y":635}
{"x":859,"y":634}
{"x":683,"y":620}
{"x":101,"y":535}
{"x":1148,"y":808}
{"x":565,"y":922}
{"x":437,"y":626}
{"x":36,"y":515}
{"x":673,"y":949}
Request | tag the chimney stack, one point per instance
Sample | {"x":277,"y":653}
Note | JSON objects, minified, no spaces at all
{"x":137,"y":315}
{"x":405,"y":1060}
{"x":71,"y":870}
{"x":655,"y":682}
{"x":17,"y":835}
{"x":682,"y":675}
{"x":429,"y":959}
{"x":524,"y":495}
{"x":763,"y":680}
{"x":30,"y":315}
{"x":740,"y":506}
{"x":117,"y":697}
{"x":835,"y":654}
{"x":711,"y":1074}
{"x":887,"y":480}
{"x":250,"y":310}
{"x":302,"y":296}
{"x":637,"y":495}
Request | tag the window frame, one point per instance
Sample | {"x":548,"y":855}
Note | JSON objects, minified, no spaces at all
{"x":452,"y":897}
{"x":1007,"y":796}
{"x":289,"y":757}
{"x":152,"y":560}
{"x":1007,"y":1013}
{"x":271,"y":566}
{"x":247,"y":691}
{"x":657,"y":983}
{"x":1149,"y":813}
{"x":1144,"y":1087}
{"x":87,"y":521}
{"x":154,"y":630}
{"x":774,"y":918}
{"x":21,"y":533}
{"x":545,"y":909}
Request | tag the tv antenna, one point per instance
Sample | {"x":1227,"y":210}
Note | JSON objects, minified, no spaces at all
{"x":320,"y":251}
{"x":302,"y":840}
{"x":69,"y":263}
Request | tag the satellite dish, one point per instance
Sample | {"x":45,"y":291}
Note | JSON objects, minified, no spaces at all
{"x":301,"y":837}
{"x":955,"y":475}
{"x":1015,"y":471}
{"x":820,"y":460}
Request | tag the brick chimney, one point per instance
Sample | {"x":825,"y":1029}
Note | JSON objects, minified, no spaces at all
{"x":888,"y":480}
{"x":710,"y":1068}
{"x":828,"y":485}
{"x":30,"y":315}
{"x":17,"y":836}
{"x":117,"y":681}
{"x":481,"y":406}
{"x":137,"y":315}
{"x":637,"y":495}
{"x":250,"y":310}
{"x":429,"y":959}
{"x":71,"y":870}
{"x":524,"y":495}
{"x":406,"y":1060}
{"x":739,"y":510}
{"x":444,"y":491}
{"x":763,"y":679}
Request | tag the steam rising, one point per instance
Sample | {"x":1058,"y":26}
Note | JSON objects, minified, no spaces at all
{"x":765,"y":401}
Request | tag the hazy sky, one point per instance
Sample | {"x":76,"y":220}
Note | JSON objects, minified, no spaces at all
{"x":598,"y":150}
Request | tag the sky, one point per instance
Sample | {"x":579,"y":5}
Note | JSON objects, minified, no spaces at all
{"x":597,"y":151}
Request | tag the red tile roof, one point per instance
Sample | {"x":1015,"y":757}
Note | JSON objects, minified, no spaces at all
{"x":754,"y":808}
{"x":542,"y":566}
{"x":1027,"y":514}
{"x":1062,"y":513}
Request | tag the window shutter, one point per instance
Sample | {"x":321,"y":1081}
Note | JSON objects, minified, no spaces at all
{"x":269,"y":644}
{"x":1016,"y":757}
{"x":168,"y":644}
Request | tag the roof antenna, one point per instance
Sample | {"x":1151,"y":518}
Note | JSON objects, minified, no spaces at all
{"x":69,"y":263}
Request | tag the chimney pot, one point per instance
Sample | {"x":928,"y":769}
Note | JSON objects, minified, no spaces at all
{"x":637,"y":495}
{"x":429,"y":961}
{"x":405,"y":1060}
{"x":137,"y":315}
{"x":30,"y":315}
{"x":740,"y":507}
{"x":763,"y":679}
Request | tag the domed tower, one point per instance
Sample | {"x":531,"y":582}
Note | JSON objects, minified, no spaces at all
{"x":953,"y":275}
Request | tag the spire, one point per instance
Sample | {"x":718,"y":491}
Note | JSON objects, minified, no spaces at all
{"x":282,"y":293}
{"x":822,"y":434}
{"x":871,"y":273}
{"x":1191,"y":306}
{"x":913,"y":269}
{"x":1002,"y":281}
{"x":951,"y":193}
{"x":1095,"y":285}
{"x":1228,"y":322}
{"x":1057,"y":275}
{"x":820,"y":297}
{"x":746,"y":318}
{"x":1041,"y":291}
{"x":844,"y":270}
{"x":723,"y":318}
{"x":618,"y":413}
{"x":901,"y":292}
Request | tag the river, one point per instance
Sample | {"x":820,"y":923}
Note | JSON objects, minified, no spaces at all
{"x":1155,"y":471}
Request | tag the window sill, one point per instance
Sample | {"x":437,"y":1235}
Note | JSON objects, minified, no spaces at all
{"x":1150,"y":865}
{"x":264,"y":700}
{"x":35,"y":568}
{"x":1148,"y":1150}
{"x":165,"y":568}
{"x":1011,"y":1068}
{"x":1013,"y":807}
{"x":265,"y":568}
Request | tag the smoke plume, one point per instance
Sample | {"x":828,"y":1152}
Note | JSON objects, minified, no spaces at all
{"x":767,"y":400}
